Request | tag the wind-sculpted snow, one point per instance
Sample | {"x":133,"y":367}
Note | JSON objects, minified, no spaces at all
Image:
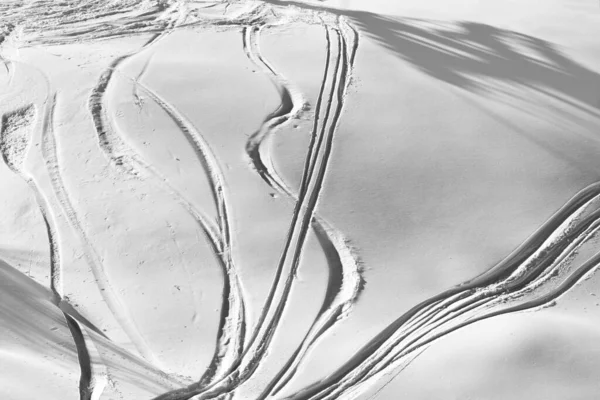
{"x":14,"y":138}
{"x":540,"y":271}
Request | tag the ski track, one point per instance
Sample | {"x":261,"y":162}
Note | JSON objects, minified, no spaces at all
{"x":494,"y":293}
{"x":94,"y":374}
{"x":121,"y":155}
{"x":109,"y":295}
{"x":138,"y":100}
{"x":302,"y":218}
{"x":345,"y":281}
{"x":91,"y":383}
{"x":343,"y":290}
{"x":232,"y":328}
{"x":15,"y":159}
{"x":96,"y":369}
{"x":535,"y":275}
{"x":124,"y":158}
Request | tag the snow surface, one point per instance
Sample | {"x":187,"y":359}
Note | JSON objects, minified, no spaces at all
{"x":341,"y":199}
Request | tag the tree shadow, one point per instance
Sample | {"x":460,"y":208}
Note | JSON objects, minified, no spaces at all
{"x":478,"y":57}
{"x":468,"y":54}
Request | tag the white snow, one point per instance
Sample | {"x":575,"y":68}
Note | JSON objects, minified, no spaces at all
{"x":299,"y":199}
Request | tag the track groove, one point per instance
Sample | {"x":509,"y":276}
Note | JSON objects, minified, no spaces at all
{"x":14,"y":151}
{"x":233,"y":325}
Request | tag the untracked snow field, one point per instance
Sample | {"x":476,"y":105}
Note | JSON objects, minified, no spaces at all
{"x":299,"y":200}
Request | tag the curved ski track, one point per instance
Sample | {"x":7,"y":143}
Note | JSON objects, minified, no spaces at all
{"x":535,"y":275}
{"x":345,"y":279}
{"x":50,"y":156}
{"x":121,"y":155}
{"x":232,"y":330}
{"x":15,"y":159}
{"x":304,"y":215}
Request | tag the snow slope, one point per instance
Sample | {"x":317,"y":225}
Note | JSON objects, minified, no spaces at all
{"x":299,"y":200}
